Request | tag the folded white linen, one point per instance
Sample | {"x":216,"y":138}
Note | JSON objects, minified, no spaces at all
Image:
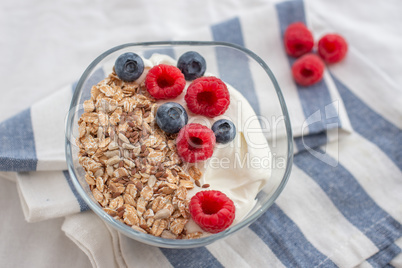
{"x":329,"y":215}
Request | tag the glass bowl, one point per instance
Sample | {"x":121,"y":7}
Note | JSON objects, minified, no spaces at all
{"x":235,"y":65}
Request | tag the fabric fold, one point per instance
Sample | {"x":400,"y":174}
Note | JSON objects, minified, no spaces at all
{"x":334,"y":210}
{"x":46,"y":195}
{"x":91,"y":235}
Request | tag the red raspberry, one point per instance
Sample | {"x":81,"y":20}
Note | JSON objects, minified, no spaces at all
{"x":298,"y":39}
{"x":308,"y":70}
{"x":165,"y":82}
{"x":332,"y":48}
{"x":207,"y":96}
{"x":195,"y":143}
{"x":212,"y":210}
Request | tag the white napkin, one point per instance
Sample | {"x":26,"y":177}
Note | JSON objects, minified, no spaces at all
{"x":331,"y":213}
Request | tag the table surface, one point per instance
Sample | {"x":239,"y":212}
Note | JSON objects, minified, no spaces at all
{"x":47,"y":45}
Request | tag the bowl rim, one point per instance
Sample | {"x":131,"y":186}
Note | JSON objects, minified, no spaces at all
{"x":158,"y":241}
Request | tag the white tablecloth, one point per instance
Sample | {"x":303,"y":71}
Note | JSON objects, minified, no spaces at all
{"x":47,"y":44}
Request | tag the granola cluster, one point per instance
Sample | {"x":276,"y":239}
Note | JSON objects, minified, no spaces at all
{"x":132,"y":167}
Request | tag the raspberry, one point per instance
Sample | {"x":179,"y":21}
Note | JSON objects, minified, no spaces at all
{"x":207,"y":96}
{"x":212,"y":210}
{"x":195,"y":143}
{"x":308,"y":70}
{"x":165,"y":82}
{"x":298,"y":39}
{"x":332,"y":48}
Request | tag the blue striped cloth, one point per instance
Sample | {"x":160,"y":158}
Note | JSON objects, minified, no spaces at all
{"x":342,"y":209}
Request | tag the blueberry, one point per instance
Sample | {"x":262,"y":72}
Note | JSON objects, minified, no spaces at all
{"x":129,"y":66}
{"x":192,"y":65}
{"x":171,"y":117}
{"x":225,"y":131}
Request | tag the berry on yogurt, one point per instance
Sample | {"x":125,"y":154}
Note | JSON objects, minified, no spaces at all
{"x":129,"y":66}
{"x":171,"y":117}
{"x":192,"y":65}
{"x":195,"y":143}
{"x":212,"y":210}
{"x":207,"y":96}
{"x":165,"y":82}
{"x":225,"y":131}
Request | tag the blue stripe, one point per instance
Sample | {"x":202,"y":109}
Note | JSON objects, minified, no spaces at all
{"x":73,"y":86}
{"x":166,"y":51}
{"x":194,"y":257}
{"x":289,"y":12}
{"x":310,"y":141}
{"x":233,"y":65}
{"x":17,"y":143}
{"x":286,"y":240}
{"x":382,"y":258}
{"x":351,"y":200}
{"x":97,"y":76}
{"x":81,"y":202}
{"x":371,"y":125}
{"x":315,"y":97}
